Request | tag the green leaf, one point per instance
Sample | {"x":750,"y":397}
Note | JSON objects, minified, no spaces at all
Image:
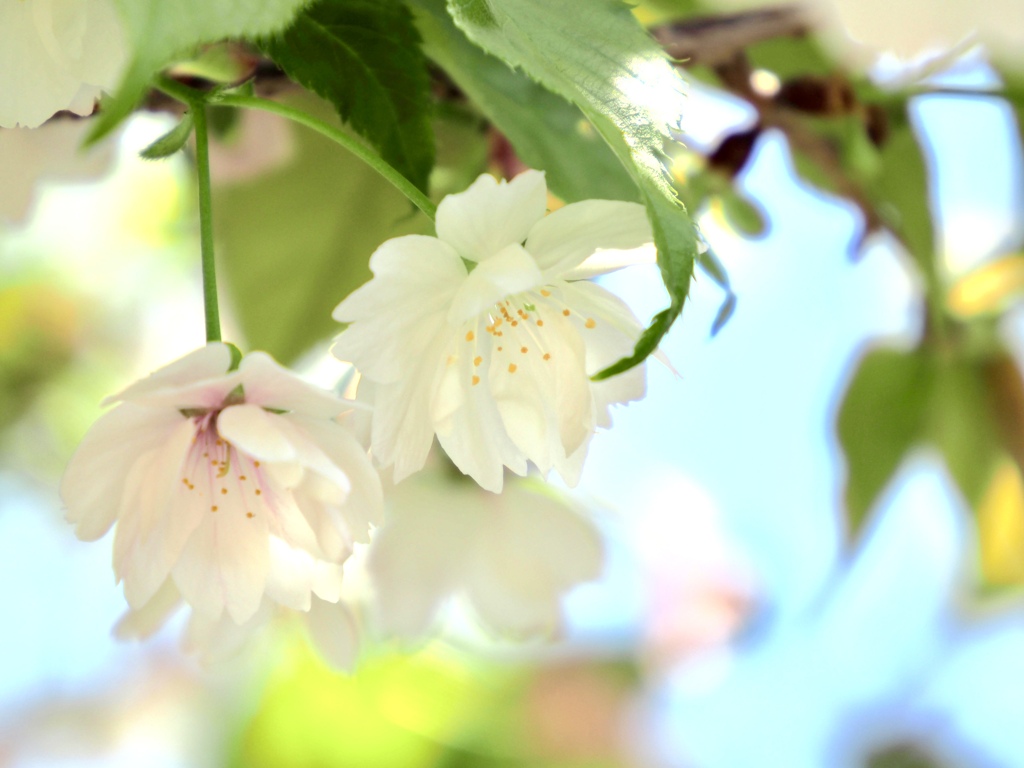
{"x":900,"y":191}
{"x":295,"y":242}
{"x":714,"y":269}
{"x":364,"y":57}
{"x":961,"y":426}
{"x":172,"y":141}
{"x":609,"y":67}
{"x":551,"y":135}
{"x":899,"y":399}
{"x":724,"y":314}
{"x":884,"y":413}
{"x":741,"y":214}
{"x":157,"y":31}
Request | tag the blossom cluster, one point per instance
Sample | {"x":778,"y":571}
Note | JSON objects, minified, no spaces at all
{"x":242,"y":492}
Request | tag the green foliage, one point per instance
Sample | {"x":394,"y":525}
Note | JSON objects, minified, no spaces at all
{"x":900,"y":191}
{"x":363,"y":56}
{"x":158,"y":31}
{"x":326,"y":211}
{"x":884,"y":413}
{"x":548,"y":132}
{"x":172,"y":141}
{"x":962,"y":427}
{"x":714,"y":269}
{"x":429,"y":709}
{"x":392,"y":713}
{"x":737,"y":211}
{"x":607,"y":65}
{"x":899,"y":399}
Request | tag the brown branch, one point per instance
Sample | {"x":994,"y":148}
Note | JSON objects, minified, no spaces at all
{"x":714,"y":40}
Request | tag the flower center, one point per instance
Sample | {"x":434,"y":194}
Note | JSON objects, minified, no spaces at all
{"x":226,"y":478}
{"x":517,"y":327}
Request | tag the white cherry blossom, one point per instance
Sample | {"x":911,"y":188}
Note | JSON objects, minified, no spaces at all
{"x":54,"y":55}
{"x":512,"y":556}
{"x":487,"y":337}
{"x":233,"y":490}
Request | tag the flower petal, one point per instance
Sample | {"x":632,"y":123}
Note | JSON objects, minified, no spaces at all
{"x":224,"y":564}
{"x":208,"y":362}
{"x":333,"y":632}
{"x":327,"y":581}
{"x":158,"y":513}
{"x":491,"y":215}
{"x":333,"y":535}
{"x":268,"y":384}
{"x":364,"y":504}
{"x":216,"y":640}
{"x":540,"y":386}
{"x":55,"y":56}
{"x":609,"y":338}
{"x":606,"y":261}
{"x":290,"y":576}
{"x":142,"y":623}
{"x":533,"y":548}
{"x":563,"y":239}
{"x":466,"y":418}
{"x":417,"y":559}
{"x":93,"y":483}
{"x":254,"y":431}
{"x":395,"y":315}
{"x":509,"y":271}
{"x":403,"y":430}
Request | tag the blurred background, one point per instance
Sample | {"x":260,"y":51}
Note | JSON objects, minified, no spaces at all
{"x":813,"y":528}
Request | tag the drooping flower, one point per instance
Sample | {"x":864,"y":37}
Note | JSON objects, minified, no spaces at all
{"x":487,"y":337}
{"x":511,"y":556}
{"x":54,"y":55}
{"x":233,"y":490}
{"x":330,"y":626}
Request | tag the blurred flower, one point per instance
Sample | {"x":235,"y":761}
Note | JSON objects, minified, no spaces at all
{"x":233,"y":490}
{"x":512,"y":556}
{"x":51,"y":153}
{"x":700,"y":587}
{"x":490,"y":343}
{"x":883,"y":659}
{"x":55,"y":55}
{"x":861,"y":29}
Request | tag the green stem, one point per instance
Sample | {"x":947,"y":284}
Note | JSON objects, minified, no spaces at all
{"x":367,"y":155}
{"x":196,"y":103}
{"x":206,"y":222}
{"x":192,"y":96}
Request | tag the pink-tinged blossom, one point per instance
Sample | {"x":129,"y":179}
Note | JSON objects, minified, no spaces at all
{"x":486,"y":335}
{"x":232,"y":491}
